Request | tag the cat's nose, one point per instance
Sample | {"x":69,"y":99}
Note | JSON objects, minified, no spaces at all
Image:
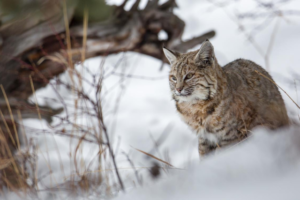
{"x":179,"y":89}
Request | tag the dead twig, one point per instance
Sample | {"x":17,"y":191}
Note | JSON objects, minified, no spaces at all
{"x":278,"y":87}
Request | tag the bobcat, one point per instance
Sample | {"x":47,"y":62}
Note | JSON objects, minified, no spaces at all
{"x":222,"y":104}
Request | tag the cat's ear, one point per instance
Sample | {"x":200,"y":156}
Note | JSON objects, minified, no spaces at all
{"x":205,"y":53}
{"x":171,"y":55}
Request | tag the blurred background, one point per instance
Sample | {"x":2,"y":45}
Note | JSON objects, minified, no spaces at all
{"x":86,"y":110}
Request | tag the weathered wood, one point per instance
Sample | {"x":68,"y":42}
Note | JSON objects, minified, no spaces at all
{"x":39,"y":47}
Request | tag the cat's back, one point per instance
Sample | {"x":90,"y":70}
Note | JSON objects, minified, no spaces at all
{"x":245,"y":73}
{"x":246,"y":76}
{"x":251,"y":83}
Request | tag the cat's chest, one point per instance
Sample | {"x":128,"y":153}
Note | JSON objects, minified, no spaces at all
{"x":194,"y":115}
{"x":202,"y":119}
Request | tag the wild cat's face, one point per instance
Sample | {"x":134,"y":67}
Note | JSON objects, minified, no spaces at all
{"x":192,"y":75}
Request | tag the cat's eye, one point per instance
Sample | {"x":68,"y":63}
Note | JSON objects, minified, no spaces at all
{"x":189,"y":76}
{"x":173,"y":78}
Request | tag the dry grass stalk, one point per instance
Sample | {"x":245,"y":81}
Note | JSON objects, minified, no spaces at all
{"x":67,"y":28}
{"x":11,"y":116}
{"x":7,"y":128}
{"x":152,"y":156}
{"x":33,"y":93}
{"x":10,"y":170}
{"x":84,"y":38}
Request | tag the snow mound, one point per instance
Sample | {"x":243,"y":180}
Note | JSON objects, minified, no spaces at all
{"x":265,"y":166}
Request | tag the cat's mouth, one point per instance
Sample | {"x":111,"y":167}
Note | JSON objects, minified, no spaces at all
{"x":182,"y":94}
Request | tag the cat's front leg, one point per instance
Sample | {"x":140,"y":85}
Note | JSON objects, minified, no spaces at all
{"x":204,"y":147}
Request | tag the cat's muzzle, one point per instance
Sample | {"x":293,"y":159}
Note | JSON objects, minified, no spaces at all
{"x":182,"y":93}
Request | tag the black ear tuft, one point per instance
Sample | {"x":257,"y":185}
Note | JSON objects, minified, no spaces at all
{"x":205,"y":53}
{"x":207,"y":61}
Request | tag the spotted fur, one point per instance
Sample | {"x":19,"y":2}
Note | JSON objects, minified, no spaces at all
{"x":222,"y":104}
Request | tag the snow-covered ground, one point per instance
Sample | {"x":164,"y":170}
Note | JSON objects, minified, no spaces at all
{"x":265,"y":166}
{"x":138,"y":111}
